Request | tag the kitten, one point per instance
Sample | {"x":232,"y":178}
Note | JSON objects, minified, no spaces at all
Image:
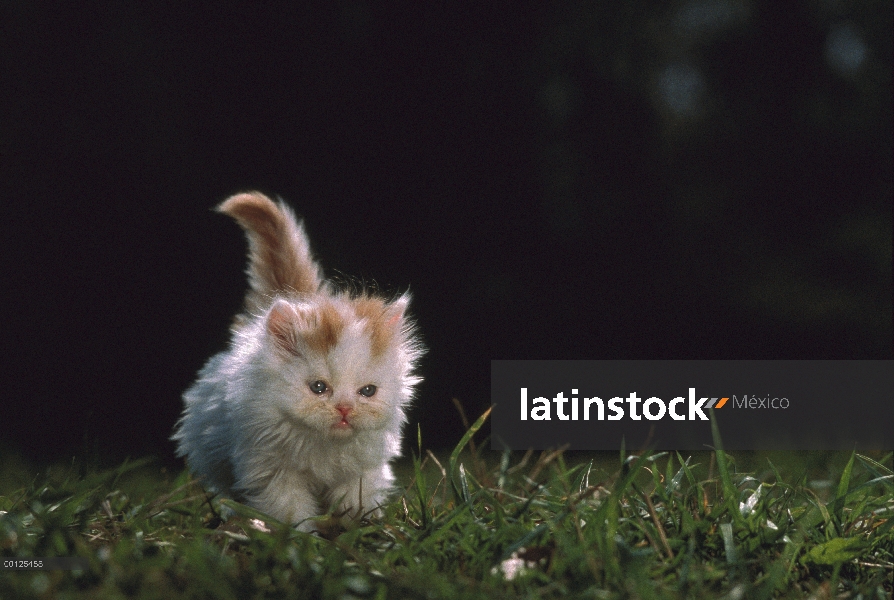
{"x":304,"y":412}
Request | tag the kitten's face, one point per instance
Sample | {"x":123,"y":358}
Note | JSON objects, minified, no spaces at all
{"x":342,"y":363}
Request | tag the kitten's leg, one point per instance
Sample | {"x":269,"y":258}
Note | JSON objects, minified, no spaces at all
{"x":289,"y":499}
{"x":363,"y":495}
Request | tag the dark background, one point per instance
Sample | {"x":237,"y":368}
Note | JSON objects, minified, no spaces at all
{"x":583,"y":180}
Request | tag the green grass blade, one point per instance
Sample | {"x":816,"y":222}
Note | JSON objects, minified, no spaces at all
{"x":674,"y":483}
{"x":729,"y":490}
{"x":845,"y":480}
{"x":464,"y":484}
{"x":875,"y":467}
{"x":463,"y":442}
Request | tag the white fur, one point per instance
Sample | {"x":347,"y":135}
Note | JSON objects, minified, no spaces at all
{"x":253,"y":429}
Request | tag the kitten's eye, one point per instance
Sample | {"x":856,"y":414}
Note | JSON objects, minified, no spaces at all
{"x":367,"y":390}
{"x":318,"y":387}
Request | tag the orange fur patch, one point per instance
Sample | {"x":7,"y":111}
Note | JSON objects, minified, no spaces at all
{"x":380,"y":327}
{"x":325,"y":329}
{"x":280,"y":325}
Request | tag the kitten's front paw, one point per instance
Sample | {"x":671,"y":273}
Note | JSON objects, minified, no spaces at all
{"x":329,"y":526}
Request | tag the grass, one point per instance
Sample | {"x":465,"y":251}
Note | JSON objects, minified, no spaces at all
{"x":473,"y":525}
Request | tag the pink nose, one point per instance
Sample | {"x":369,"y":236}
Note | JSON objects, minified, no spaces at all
{"x":343,"y":409}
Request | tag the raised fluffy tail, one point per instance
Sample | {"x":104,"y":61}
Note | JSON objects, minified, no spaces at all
{"x":280,"y":261}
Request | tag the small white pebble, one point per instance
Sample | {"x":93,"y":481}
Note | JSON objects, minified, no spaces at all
{"x":259,"y":525}
{"x":511,"y":568}
{"x":514,"y":566}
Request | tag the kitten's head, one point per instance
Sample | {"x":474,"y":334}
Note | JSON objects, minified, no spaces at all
{"x":342,"y":365}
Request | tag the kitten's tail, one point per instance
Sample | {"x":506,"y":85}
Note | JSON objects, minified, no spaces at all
{"x":279,"y":252}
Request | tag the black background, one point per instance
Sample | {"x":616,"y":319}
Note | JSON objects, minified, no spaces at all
{"x":573,"y":181}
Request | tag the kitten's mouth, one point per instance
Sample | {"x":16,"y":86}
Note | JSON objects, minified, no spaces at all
{"x":343,"y":425}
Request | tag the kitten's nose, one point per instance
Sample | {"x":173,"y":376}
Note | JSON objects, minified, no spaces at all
{"x":343,"y":409}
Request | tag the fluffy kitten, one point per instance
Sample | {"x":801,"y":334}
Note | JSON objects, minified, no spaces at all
{"x":304,"y":412}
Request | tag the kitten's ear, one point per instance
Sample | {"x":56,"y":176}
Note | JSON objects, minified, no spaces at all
{"x":281,"y":321}
{"x":395,"y":312}
{"x":401,"y":329}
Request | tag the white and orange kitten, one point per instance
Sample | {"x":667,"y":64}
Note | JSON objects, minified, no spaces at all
{"x":304,"y":411}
